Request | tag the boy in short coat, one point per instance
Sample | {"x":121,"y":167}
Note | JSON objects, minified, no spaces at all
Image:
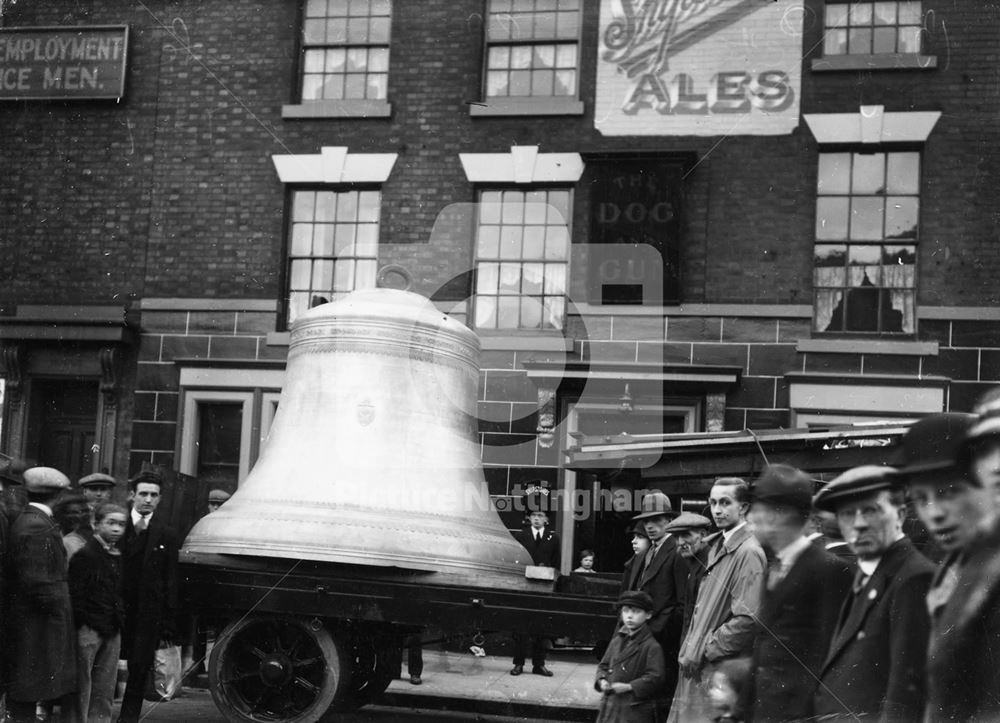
{"x":631,"y":674}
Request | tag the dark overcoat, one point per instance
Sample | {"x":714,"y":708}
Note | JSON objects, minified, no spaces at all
{"x":637,"y":660}
{"x":797,"y":619}
{"x":41,"y":637}
{"x":963,"y":670}
{"x":95,"y":587}
{"x":543,"y":552}
{"x":149,"y":583}
{"x":875,"y":667}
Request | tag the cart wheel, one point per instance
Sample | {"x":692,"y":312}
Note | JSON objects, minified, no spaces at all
{"x":276,"y":669}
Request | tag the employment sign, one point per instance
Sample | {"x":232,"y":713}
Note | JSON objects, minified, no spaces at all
{"x":699,"y":67}
{"x":63,"y":62}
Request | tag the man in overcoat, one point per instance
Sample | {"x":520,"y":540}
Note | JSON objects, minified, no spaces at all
{"x":40,"y":652}
{"x":663,"y":576}
{"x":874,"y":669}
{"x":963,"y":678}
{"x":693,"y":533}
{"x":149,"y":576}
{"x":723,"y":624}
{"x":804,"y":590}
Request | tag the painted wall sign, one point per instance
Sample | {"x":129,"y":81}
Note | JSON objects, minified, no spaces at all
{"x":63,"y":62}
{"x":699,"y":67}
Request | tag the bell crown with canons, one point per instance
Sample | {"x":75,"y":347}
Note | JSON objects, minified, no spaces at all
{"x":655,"y":504}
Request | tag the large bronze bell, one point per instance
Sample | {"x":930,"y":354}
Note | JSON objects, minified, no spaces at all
{"x":372,"y":458}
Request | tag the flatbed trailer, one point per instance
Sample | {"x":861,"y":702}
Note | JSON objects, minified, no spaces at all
{"x":305,"y":641}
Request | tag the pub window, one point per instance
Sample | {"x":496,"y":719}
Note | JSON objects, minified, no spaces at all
{"x":867,"y":214}
{"x":532,"y":48}
{"x":333,"y":246}
{"x":345,"y":49}
{"x":522,"y":258}
{"x":872,"y":28}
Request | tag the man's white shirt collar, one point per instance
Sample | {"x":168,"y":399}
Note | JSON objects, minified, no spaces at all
{"x":136,"y":517}
{"x":726,"y":534}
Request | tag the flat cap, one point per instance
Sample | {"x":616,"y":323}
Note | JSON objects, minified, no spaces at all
{"x":655,"y":504}
{"x":856,"y":482}
{"x":218,"y":496}
{"x":934,"y":443}
{"x":44,"y":479}
{"x":689,"y":521}
{"x":782,"y":484}
{"x":639,"y":529}
{"x":97,"y":480}
{"x":636,"y":599}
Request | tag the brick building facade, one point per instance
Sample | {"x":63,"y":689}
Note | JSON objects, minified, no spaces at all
{"x":148,"y":287}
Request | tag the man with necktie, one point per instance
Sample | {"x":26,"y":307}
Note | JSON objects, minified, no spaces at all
{"x":543,"y":545}
{"x":874,"y":669}
{"x":149,"y":575}
{"x":804,"y":589}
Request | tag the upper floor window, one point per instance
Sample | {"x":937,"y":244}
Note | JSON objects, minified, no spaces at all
{"x":333,"y":247}
{"x":867,"y":213}
{"x":872,"y":28}
{"x":522,"y":257}
{"x":532,"y":48}
{"x":345,"y":46}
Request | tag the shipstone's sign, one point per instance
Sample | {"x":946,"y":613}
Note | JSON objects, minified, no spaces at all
{"x":63,"y":62}
{"x":699,"y":67}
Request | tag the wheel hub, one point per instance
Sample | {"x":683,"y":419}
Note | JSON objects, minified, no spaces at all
{"x":275,"y":670}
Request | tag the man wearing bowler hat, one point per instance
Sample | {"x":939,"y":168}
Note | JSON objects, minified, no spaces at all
{"x":662,"y":575}
{"x":963,"y":679}
{"x":693,"y":534}
{"x":874,"y":668}
{"x":40,"y":650}
{"x":97,"y":490}
{"x":723,"y":623}
{"x":804,"y":589}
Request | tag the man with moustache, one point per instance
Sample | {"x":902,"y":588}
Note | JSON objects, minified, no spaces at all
{"x":963,"y":679}
{"x":723,"y":623}
{"x":874,"y":669}
{"x":692,"y":533}
{"x":805,"y":586}
{"x":663,"y":576}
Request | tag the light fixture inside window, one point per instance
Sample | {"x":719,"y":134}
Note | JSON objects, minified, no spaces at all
{"x":625,"y":402}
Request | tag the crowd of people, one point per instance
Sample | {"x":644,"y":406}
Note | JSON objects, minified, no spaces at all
{"x":768,"y":617}
{"x":85,"y":583}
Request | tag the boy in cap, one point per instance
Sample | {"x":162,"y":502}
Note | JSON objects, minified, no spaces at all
{"x":963,"y":680}
{"x":41,"y":647}
{"x":875,"y":665}
{"x":630,"y":675}
{"x":633,"y":565}
{"x":804,"y":589}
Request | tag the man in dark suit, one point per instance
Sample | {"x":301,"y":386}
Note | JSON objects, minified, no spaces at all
{"x":875,"y":666}
{"x":149,"y":576}
{"x":804,"y":589}
{"x":663,"y":575}
{"x":543,"y":544}
{"x":939,"y":455}
{"x":40,"y":650}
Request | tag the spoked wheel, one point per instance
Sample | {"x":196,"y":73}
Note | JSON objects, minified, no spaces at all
{"x":277,"y":669}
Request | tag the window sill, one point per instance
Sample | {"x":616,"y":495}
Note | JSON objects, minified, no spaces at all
{"x":338,"y":109}
{"x":883,"y":61}
{"x":526,"y":106}
{"x":868,"y":346}
{"x":540,"y":341}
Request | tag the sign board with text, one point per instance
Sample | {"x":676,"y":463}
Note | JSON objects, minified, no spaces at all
{"x":63,"y":63}
{"x":698,"y":67}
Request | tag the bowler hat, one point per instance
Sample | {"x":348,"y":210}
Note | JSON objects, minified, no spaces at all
{"x":934,"y":443}
{"x":784,"y":485}
{"x":655,"y":504}
{"x":43,"y":480}
{"x":855,"y":482}
{"x":636,"y":599}
{"x":689,"y":521}
{"x":97,"y":480}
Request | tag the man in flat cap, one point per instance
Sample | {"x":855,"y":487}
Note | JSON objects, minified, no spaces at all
{"x":217,"y":497}
{"x":40,"y":652}
{"x":875,"y":665}
{"x":97,"y":489}
{"x":804,"y":590}
{"x":963,"y":679}
{"x":662,"y":575}
{"x":724,"y":621}
{"x":693,"y":535}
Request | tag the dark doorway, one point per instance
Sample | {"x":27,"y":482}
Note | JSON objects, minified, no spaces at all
{"x":62,"y":425}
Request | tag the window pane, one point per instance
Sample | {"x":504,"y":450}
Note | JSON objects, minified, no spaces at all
{"x":534,"y":242}
{"x":531,"y":279}
{"x":899,"y":266}
{"x":344,"y":239}
{"x":312,"y":87}
{"x":510,"y":242}
{"x":343,"y":276}
{"x":829,"y":265}
{"x":860,"y":13}
{"x":300,"y":274}
{"x":836,"y":15}
{"x":366,"y":241}
{"x":835,"y":42}
{"x":866,"y":219}
{"x":336,"y":30}
{"x":909,"y":12}
{"x":542,"y":82}
{"x":520,"y":57}
{"x":220,"y":427}
{"x":909,"y":39}
{"x":555,"y":312}
{"x":379,"y":31}
{"x":301,"y":239}
{"x":868,"y":175}
{"x":834,"y":173}
{"x":903,"y":173}
{"x":829,"y":306}
{"x":510,"y":279}
{"x":323,"y":240}
{"x":489,"y":207}
{"x":489,"y":242}
{"x":513,"y":207}
{"x":831,"y":218}
{"x":859,"y":41}
{"x":901,"y":217}
{"x":864,"y":267}
{"x":508,"y":312}
{"x":322,"y":275}
{"x":557,"y":243}
{"x":884,"y":40}
{"x":555,"y":279}
{"x":885,"y":13}
{"x":365,"y":273}
{"x":486,"y":312}
{"x":326,"y":205}
{"x":303,"y":205}
{"x":531,"y":313}
{"x":487,"y":278}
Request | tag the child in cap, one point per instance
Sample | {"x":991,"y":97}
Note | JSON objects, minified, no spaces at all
{"x":95,"y":587}
{"x":633,"y":566}
{"x":631,"y":674}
